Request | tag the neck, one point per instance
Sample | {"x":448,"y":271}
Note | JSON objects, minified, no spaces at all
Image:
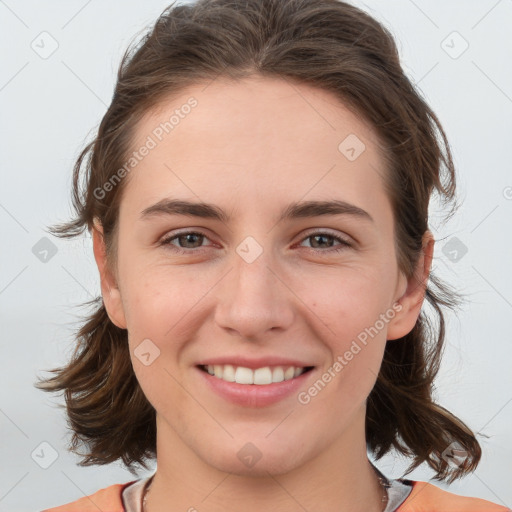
{"x":340,"y":478}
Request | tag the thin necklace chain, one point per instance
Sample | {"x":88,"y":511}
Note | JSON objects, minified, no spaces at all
{"x":383,"y":482}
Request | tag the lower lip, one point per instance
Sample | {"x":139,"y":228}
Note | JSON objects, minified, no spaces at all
{"x":254,"y":395}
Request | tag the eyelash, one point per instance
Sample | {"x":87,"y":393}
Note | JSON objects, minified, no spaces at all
{"x":167,"y":242}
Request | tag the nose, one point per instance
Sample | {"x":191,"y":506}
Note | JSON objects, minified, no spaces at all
{"x":255,"y":296}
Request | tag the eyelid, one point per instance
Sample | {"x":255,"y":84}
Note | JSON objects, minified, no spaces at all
{"x":344,"y":241}
{"x":312,"y":231}
{"x":326,"y":231}
{"x":170,"y":235}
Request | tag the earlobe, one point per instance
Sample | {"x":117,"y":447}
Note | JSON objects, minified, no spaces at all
{"x":412,"y":298}
{"x":109,"y":288}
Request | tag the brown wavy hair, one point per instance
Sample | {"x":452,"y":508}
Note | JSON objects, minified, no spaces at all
{"x":325,"y":43}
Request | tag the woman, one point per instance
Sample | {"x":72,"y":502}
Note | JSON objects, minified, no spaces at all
{"x":255,"y":368}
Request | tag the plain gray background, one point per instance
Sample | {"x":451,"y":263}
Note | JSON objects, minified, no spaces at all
{"x":51,"y":104}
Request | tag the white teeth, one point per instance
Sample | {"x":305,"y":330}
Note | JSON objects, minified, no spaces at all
{"x":289,"y":373}
{"x":277,"y":374}
{"x":260,"y":376}
{"x":242,"y":375}
{"x":228,"y":373}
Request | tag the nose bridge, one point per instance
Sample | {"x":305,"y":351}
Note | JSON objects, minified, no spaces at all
{"x":253,"y":278}
{"x":253,"y":298}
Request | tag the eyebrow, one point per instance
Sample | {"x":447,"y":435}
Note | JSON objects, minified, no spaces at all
{"x":292,"y":211}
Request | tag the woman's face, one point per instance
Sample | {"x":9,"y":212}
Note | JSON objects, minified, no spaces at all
{"x":267,"y":281}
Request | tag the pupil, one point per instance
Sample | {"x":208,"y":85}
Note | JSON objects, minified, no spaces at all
{"x":188,"y":236}
{"x":320,"y":237}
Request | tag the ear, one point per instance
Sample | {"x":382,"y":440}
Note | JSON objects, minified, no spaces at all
{"x":109,"y":287}
{"x":412,"y":298}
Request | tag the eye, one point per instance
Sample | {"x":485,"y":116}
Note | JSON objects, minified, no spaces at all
{"x":319,"y":238}
{"x":192,"y":240}
{"x":186,"y":237}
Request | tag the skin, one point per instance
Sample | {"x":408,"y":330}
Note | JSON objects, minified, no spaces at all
{"x":251,"y":148}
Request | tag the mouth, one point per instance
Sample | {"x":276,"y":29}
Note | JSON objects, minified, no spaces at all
{"x":263,"y":376}
{"x":255,"y":388}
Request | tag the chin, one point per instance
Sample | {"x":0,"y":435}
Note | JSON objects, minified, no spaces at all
{"x":261,"y":469}
{"x":254,"y":458}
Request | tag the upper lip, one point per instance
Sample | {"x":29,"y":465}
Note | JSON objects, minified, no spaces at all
{"x":254,"y":363}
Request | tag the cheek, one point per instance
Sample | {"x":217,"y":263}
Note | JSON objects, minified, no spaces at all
{"x":356,"y":342}
{"x":157,"y":300}
{"x":157,"y":304}
{"x":349,"y":299}
{"x":356,"y":312}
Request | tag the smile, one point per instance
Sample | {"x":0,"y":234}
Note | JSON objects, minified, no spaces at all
{"x":259,"y":376}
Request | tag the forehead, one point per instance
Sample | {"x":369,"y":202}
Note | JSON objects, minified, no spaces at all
{"x":257,"y":110}
{"x":223,"y":136}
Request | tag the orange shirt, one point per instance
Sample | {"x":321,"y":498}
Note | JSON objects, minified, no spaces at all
{"x":424,"y":497}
